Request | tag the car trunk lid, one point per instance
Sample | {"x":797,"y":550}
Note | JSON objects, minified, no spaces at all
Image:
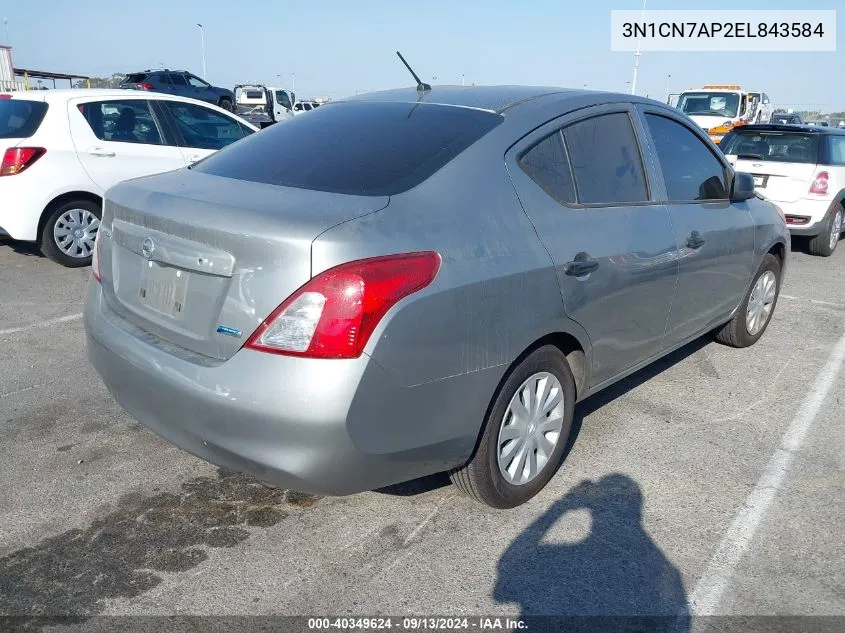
{"x":199,"y":260}
{"x":778,"y":181}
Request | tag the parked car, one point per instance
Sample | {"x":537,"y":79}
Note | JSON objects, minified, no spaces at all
{"x":181,"y":83}
{"x":419,"y":281}
{"x":818,"y":123}
{"x":64,"y":148}
{"x":786,"y":119}
{"x":802,"y":170}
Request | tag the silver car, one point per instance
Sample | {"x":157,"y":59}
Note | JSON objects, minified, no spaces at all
{"x":412,"y":282}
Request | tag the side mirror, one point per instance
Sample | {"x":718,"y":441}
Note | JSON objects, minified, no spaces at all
{"x":765,"y":102}
{"x":743,"y":187}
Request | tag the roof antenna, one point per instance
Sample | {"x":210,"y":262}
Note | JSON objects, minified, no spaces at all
{"x":421,"y":87}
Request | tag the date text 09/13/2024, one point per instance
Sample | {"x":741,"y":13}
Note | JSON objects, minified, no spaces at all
{"x":418,"y":623}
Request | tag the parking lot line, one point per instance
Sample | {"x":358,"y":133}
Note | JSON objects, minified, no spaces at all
{"x":736,"y":541}
{"x":40,"y":324}
{"x":814,"y":301}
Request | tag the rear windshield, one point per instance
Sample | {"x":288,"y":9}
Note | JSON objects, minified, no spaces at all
{"x":20,"y":118}
{"x":783,"y":147}
{"x":134,"y":79}
{"x":361,"y":148}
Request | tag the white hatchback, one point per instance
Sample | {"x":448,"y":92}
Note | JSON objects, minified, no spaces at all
{"x":802,"y":170}
{"x":63,"y":148}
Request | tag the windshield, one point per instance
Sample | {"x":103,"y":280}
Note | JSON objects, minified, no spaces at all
{"x":724,"y":104}
{"x":782,"y":147}
{"x":20,"y":118}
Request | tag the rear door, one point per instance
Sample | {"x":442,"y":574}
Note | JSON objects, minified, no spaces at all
{"x":201,"y":131}
{"x":118,"y":139}
{"x":715,"y":237}
{"x":582,"y":181}
{"x":783,"y":162}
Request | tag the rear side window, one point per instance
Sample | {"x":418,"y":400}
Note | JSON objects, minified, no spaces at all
{"x":837,"y":149}
{"x":782,"y":147}
{"x":547,"y":165}
{"x":178,"y":80}
{"x":135,"y":78}
{"x":20,"y":118}
{"x":606,"y":160}
{"x":122,"y":121}
{"x":691,"y":171}
{"x":360,"y":148}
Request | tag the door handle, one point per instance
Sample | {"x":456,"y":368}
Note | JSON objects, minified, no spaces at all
{"x":582,"y":265}
{"x":100,"y":151}
{"x":695,"y":241}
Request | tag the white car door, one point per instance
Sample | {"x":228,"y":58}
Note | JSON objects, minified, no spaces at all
{"x":119,"y":139}
{"x":203,"y":130}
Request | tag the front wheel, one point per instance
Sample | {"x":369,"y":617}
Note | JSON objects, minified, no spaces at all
{"x":754,"y":313}
{"x":825,"y":242}
{"x":226,"y":104}
{"x":70,"y":231}
{"x":525,"y":433}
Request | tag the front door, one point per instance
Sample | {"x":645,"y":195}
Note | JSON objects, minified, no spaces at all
{"x":715,"y":236}
{"x":582,"y":182}
{"x":119,"y":139}
{"x":202,"y":131}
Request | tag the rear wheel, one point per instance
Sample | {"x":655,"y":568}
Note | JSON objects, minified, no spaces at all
{"x":69,"y":233}
{"x":825,"y":242}
{"x":754,"y":313}
{"x":525,"y":433}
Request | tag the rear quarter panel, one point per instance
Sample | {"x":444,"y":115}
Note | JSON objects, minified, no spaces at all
{"x":770,"y":230}
{"x":496,"y":291}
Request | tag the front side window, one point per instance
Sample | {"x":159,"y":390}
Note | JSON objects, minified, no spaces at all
{"x":690,"y":169}
{"x":547,"y":165}
{"x":724,"y":104}
{"x":196,"y":82}
{"x":202,"y":127}
{"x":605,"y":160}
{"x":122,"y":121}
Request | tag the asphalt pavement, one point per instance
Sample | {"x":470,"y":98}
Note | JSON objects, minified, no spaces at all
{"x":710,"y":483}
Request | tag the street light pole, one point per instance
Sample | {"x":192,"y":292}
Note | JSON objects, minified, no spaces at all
{"x":668,"y":80}
{"x":293,"y":81}
{"x":202,"y":43}
{"x":6,"y":24}
{"x":637,"y":55}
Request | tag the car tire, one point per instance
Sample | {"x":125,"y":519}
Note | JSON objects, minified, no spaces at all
{"x":481,"y":477}
{"x":81,"y":215}
{"x":823,"y":244}
{"x":226,"y":104}
{"x":741,"y":331}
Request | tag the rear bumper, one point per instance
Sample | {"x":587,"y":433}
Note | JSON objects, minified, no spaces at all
{"x":813,"y":211}
{"x":320,"y":426}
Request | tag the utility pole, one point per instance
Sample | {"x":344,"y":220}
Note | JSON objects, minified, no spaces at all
{"x":202,"y":43}
{"x":637,"y":55}
{"x":668,"y":80}
{"x":293,"y":81}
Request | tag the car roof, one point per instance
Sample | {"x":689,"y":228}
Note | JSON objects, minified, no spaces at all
{"x":492,"y":98}
{"x":65,"y":94}
{"x":777,"y":127}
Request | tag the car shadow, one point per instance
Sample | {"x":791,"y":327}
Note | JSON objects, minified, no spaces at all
{"x":615,"y":579}
{"x":582,"y":409}
{"x":28,"y":249}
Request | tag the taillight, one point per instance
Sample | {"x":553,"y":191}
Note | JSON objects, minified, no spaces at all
{"x":145,"y":86}
{"x":820,"y":183}
{"x":16,"y":159}
{"x":5,"y":97}
{"x":334,"y":314}
{"x":95,"y":257}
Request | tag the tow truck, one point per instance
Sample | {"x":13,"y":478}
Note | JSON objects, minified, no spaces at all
{"x":719,"y":108}
{"x":264,"y":105}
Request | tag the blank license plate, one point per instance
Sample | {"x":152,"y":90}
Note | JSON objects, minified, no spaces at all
{"x":759,"y":181}
{"x":163,"y":289}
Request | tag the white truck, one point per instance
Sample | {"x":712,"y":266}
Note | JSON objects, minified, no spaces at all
{"x":720,"y":108}
{"x":264,"y":105}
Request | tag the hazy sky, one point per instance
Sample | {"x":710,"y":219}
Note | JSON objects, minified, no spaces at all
{"x":339,"y":47}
